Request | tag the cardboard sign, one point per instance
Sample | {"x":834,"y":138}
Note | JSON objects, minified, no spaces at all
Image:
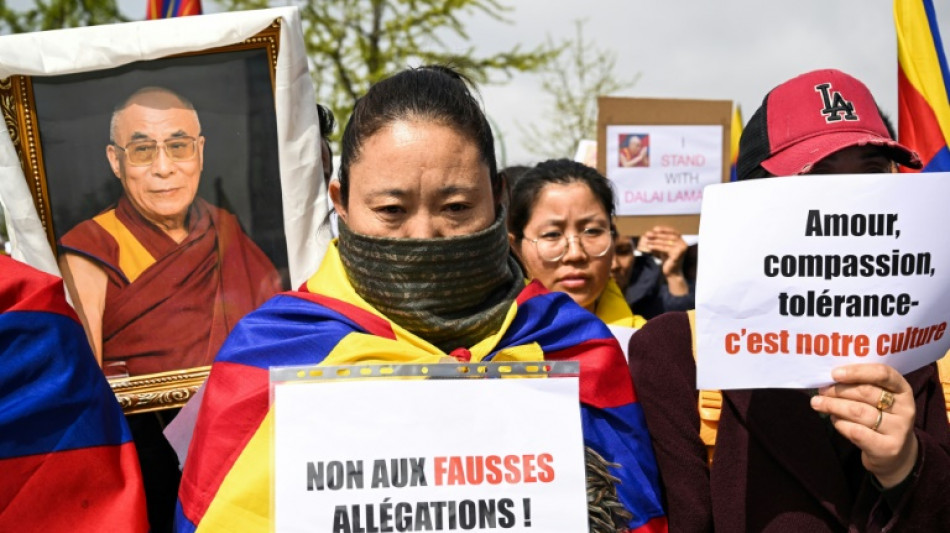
{"x":680,"y":130}
{"x":800,"y":275}
{"x":429,"y":455}
{"x":662,"y":170}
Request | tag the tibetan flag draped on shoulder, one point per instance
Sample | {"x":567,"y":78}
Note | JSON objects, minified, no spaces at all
{"x":67,"y":458}
{"x":734,"y":141}
{"x":227,"y":478}
{"x":923,"y":84}
{"x":163,"y":9}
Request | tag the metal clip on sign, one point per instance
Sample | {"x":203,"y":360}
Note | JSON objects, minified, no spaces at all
{"x":433,"y":371}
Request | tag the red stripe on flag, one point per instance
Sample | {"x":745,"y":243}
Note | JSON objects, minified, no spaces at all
{"x":154,"y":10}
{"x":241,"y":392}
{"x":605,"y":379}
{"x":89,"y":489}
{"x":23,"y":288}
{"x":535,"y":288}
{"x":918,"y":126}
{"x":158,"y":9}
{"x":188,"y":7}
{"x":366,"y":320}
{"x":656,"y":525}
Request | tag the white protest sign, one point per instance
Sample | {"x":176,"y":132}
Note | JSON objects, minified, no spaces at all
{"x":661,"y":170}
{"x":803,"y":274}
{"x":429,"y":455}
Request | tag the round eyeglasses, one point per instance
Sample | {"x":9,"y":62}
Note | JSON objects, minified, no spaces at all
{"x":553,"y":246}
{"x":143,"y":153}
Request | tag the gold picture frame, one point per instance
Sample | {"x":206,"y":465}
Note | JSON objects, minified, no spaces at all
{"x":18,"y":106}
{"x":25,"y":124}
{"x":154,"y":392}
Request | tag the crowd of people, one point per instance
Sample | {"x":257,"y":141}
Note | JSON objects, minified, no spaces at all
{"x":442,"y":256}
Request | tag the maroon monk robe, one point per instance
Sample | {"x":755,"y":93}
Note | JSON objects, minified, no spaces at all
{"x":179,"y":310}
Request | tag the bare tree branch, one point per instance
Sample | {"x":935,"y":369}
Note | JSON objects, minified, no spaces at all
{"x":573,"y":81}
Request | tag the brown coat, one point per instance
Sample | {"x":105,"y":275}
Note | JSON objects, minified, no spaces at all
{"x":779,"y":466}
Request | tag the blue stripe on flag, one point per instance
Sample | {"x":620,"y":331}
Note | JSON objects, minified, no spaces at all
{"x":619,"y":434}
{"x":53,"y":396}
{"x":302,"y":333}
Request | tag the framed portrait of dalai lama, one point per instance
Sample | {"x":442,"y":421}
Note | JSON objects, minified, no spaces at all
{"x":163,"y":178}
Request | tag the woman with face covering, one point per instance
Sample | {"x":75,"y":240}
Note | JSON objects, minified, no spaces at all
{"x":560,"y":227}
{"x":421,"y":273}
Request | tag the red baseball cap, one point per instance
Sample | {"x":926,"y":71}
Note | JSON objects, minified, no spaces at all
{"x":810,"y":117}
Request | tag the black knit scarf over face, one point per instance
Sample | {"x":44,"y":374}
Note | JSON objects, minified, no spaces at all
{"x":451,"y":291}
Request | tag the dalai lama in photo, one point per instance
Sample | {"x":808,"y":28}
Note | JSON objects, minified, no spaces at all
{"x":162,"y":276}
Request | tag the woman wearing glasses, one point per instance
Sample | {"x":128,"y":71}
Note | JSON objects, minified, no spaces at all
{"x":560,"y":227}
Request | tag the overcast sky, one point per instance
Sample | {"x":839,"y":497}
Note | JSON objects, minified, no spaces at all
{"x":724,"y":49}
{"x":727,"y":49}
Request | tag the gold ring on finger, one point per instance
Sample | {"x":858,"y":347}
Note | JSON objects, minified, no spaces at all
{"x":880,"y":416}
{"x":886,"y":400}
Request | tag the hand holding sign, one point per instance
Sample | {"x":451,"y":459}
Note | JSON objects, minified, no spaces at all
{"x":884,"y":433}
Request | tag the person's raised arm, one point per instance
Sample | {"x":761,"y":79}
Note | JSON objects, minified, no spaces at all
{"x":667,"y":245}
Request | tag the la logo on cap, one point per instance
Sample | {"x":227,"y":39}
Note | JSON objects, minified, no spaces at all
{"x":835,"y":104}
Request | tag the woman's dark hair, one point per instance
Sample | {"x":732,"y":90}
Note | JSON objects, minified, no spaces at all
{"x":513,"y":174}
{"x":525,"y":194}
{"x":326,"y":119}
{"x":433,"y":94}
